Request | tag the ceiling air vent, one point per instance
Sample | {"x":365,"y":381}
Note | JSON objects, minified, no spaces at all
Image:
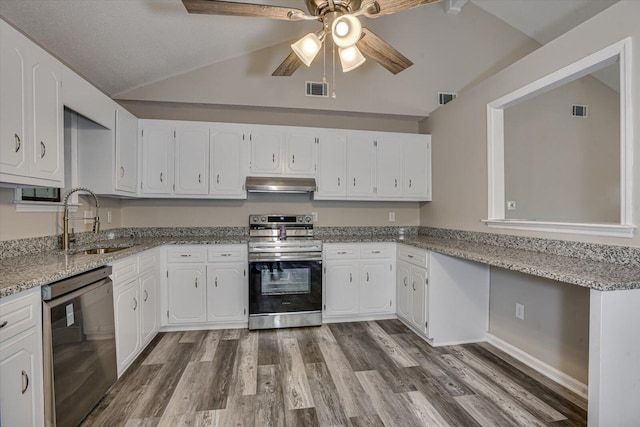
{"x":445,"y":97}
{"x":579,"y":110}
{"x":317,"y":89}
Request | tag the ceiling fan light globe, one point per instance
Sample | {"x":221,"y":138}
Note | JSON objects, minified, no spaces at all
{"x":346,"y":30}
{"x":350,"y":58}
{"x":307,"y":48}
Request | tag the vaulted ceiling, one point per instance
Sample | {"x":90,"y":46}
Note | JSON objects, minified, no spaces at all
{"x":122,"y":45}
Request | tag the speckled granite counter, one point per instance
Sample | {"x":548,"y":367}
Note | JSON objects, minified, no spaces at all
{"x":28,"y":271}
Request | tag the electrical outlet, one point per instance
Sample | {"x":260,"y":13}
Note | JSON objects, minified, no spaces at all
{"x":511,"y":205}
{"x":520,"y":311}
{"x":392,"y":217}
{"x":314,"y":216}
{"x":108,"y":217}
{"x":88,"y":215}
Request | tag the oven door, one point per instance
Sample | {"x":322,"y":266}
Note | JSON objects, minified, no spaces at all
{"x":285,"y":286}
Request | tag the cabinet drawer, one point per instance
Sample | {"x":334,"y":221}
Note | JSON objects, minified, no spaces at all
{"x":222,"y":253}
{"x":124,"y":270}
{"x":148,"y":261}
{"x":376,"y":251}
{"x":417,"y":257}
{"x":186,"y":254}
{"x":19,"y":315}
{"x":341,"y":252}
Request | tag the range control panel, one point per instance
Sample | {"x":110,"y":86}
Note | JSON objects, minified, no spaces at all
{"x":270,"y":219}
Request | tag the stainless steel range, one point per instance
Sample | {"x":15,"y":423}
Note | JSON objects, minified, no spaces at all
{"x":285,"y":272}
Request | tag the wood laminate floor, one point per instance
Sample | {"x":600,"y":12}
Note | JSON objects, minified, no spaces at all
{"x":344,"y":374}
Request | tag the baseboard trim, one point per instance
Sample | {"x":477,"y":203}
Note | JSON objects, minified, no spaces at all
{"x":357,"y":318}
{"x":549,"y":371}
{"x":204,"y":326}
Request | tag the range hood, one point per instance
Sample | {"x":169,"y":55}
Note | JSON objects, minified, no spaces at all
{"x":277,"y":184}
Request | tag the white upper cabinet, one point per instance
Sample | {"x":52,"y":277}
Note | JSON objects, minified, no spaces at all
{"x":126,"y":168}
{"x":31,"y":113}
{"x":390,"y":165}
{"x":82,"y":97}
{"x":266,"y":150}
{"x":157,"y":157}
{"x":278,"y":150}
{"x":191,"y":159}
{"x":332,"y":166}
{"x":361,"y":165}
{"x":417,"y":167}
{"x":228,"y":161}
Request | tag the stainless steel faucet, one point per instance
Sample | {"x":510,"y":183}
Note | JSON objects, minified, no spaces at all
{"x":66,"y":218}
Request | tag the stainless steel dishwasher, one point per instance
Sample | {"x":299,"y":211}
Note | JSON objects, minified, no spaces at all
{"x":79,"y":345}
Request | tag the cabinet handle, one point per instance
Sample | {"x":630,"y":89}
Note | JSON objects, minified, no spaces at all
{"x":396,"y":183}
{"x":375,"y":252}
{"x":218,"y":179}
{"x":135,"y":304}
{"x":225,"y":254}
{"x":121,"y":171}
{"x":216,"y":282}
{"x":43,"y":150}
{"x":410,"y":256}
{"x":350,"y":278}
{"x":409,"y":183}
{"x":354,"y":181}
{"x":18,"y":142}
{"x":405,"y":281}
{"x":342,"y":252}
{"x":199,"y":178}
{"x":413,"y":284}
{"x":293,"y":158}
{"x":161,"y":177}
{"x":146,"y":295}
{"x":25,"y":381}
{"x":338,"y":181}
{"x":185,"y":255}
{"x":3,"y":324}
{"x":367,"y":276}
{"x":196,"y":282}
{"x":273,"y":158}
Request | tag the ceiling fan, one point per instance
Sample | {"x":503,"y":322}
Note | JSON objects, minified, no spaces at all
{"x":339,"y":19}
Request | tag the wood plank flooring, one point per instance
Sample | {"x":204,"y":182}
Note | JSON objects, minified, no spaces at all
{"x":342,"y":374}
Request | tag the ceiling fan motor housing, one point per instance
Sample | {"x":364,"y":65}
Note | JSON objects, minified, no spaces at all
{"x":322,"y":7}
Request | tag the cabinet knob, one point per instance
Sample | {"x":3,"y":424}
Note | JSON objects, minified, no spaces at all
{"x":43,"y":150}
{"x":25,"y":382}
{"x":18,"y":142}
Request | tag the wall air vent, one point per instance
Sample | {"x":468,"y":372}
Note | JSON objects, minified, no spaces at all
{"x":445,"y":97}
{"x":579,"y":110}
{"x":317,"y":89}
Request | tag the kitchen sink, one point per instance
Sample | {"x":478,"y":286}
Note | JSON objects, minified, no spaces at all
{"x":103,"y":250}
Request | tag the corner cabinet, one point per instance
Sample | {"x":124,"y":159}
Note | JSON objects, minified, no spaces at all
{"x":359,"y":281}
{"x":21,"y":387}
{"x":31,"y":113}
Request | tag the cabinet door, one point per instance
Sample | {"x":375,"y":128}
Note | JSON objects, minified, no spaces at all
{"x":377,"y":284}
{"x":20,"y":403}
{"x":390,"y":164}
{"x":187,"y":291}
{"x":46,"y":104}
{"x":404,"y":291}
{"x":266,"y":151}
{"x":341,"y":287}
{"x":361,"y":157}
{"x":157,"y":158}
{"x":149,"y":285}
{"x":13,"y":139}
{"x":126,"y":151}
{"x":332,"y":166}
{"x":227,"y":292}
{"x":228,"y":162}
{"x":192,"y":160}
{"x":300,"y":147}
{"x":417,"y":167}
{"x":126,"y":302}
{"x":418,"y":298}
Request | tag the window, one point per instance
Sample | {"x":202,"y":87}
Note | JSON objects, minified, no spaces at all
{"x":41,"y":194}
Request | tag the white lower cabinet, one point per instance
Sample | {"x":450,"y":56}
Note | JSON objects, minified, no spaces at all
{"x":136,"y":282}
{"x":207,"y":285}
{"x":21,"y":384}
{"x":359,"y":281}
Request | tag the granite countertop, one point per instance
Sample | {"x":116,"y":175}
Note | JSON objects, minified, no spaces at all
{"x":24,"y":272}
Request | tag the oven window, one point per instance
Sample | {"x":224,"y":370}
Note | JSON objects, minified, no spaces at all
{"x":277,"y":280}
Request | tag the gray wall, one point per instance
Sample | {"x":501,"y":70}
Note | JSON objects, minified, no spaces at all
{"x":459,"y":134}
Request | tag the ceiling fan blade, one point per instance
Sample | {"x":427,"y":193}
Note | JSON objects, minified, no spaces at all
{"x":215,"y":7}
{"x":382,"y":52}
{"x":288,"y":66}
{"x":392,"y":6}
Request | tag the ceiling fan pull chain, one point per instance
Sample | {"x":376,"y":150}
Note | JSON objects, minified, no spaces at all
{"x":333,"y":94}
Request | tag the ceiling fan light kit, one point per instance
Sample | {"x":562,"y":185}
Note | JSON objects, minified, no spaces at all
{"x":338,"y":17}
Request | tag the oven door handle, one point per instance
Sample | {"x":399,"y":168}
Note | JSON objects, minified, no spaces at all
{"x":284,"y":257}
